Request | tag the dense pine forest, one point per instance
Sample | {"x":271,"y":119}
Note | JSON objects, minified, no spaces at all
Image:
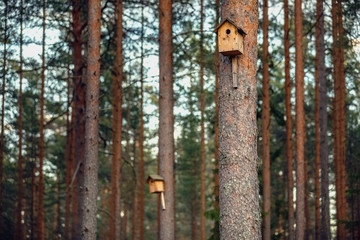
{"x":104,"y":101}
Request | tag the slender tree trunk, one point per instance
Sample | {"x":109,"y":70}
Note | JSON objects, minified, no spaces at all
{"x":79,"y":119}
{"x":216,"y":125}
{"x":289,"y":152}
{"x":115,"y":224}
{"x":40,"y":220}
{"x":135,"y":204}
{"x":339,"y":120}
{"x":141,"y":164}
{"x":317,"y":124}
{"x":33,"y":199}
{"x":56,"y":222}
{"x":166,"y":119}
{"x":238,"y":131}
{"x":300,"y":124}
{"x":307,"y":203}
{"x":2,"y":147}
{"x":202,"y":130}
{"x":265,"y":116}
{"x":90,"y":188}
{"x":69,"y":156}
{"x":19,"y":229}
{"x":322,"y":108}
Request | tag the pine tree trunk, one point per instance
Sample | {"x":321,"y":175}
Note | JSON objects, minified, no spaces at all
{"x":33,"y":198}
{"x":19,"y":228}
{"x":300,"y":124}
{"x":141,"y":164}
{"x":239,"y":196}
{"x":166,"y":119}
{"x":79,"y":119}
{"x":202,"y":130}
{"x":317,"y":124}
{"x":40,"y":220}
{"x":339,"y":120}
{"x":322,"y":108}
{"x":115,"y":224}
{"x":69,"y":156}
{"x":56,"y":222}
{"x":2,"y":147}
{"x":216,"y":124}
{"x":135,"y":203}
{"x":90,"y":188}
{"x":265,"y":117}
{"x":306,"y":199}
{"x":289,"y":152}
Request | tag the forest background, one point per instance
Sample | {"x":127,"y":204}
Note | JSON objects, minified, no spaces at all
{"x":140,"y":78}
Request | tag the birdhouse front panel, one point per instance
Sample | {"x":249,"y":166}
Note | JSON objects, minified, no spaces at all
{"x":230,"y":40}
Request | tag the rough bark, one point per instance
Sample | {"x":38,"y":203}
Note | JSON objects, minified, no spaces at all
{"x":300,"y":124}
{"x":322,"y":108}
{"x":40,"y":220}
{"x":90,"y":188}
{"x":166,"y":119}
{"x":19,"y":228}
{"x":2,"y":147}
{"x":239,"y":196}
{"x":289,"y":152}
{"x":202,"y":127}
{"x":115,"y":224}
{"x":141,"y":143}
{"x":265,"y":117}
{"x":339,"y":119}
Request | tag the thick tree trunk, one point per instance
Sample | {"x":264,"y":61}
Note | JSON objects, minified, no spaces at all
{"x":322,"y":109}
{"x":300,"y":124}
{"x":2,"y":147}
{"x":289,"y":152}
{"x":202,"y":126}
{"x":166,"y":119}
{"x":141,"y":164}
{"x":40,"y":220}
{"x":307,"y":203}
{"x":90,"y":188}
{"x":239,"y":196}
{"x":19,"y":228}
{"x":115,"y":224}
{"x":339,"y":120}
{"x":265,"y":117}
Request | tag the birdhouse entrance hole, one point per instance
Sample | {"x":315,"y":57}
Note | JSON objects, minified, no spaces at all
{"x":228,"y":31}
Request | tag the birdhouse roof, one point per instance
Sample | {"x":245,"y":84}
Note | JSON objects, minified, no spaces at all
{"x":154,"y":177}
{"x":231,"y":22}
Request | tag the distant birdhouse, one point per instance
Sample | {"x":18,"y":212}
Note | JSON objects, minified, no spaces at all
{"x":230,"y":38}
{"x":156,"y":185}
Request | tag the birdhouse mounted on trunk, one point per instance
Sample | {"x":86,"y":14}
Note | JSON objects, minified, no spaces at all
{"x":156,"y":185}
{"x":230,"y":38}
{"x":231,"y":43}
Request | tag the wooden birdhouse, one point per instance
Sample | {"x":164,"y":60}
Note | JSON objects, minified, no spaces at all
{"x":230,"y":38}
{"x":156,"y":185}
{"x":231,"y":43}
